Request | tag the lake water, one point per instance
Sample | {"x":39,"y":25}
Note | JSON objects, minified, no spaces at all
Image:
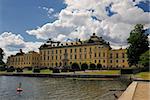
{"x":57,"y":89}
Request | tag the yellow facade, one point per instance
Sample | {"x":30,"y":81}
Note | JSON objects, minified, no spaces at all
{"x":55,"y":54}
{"x":21,"y":60}
{"x":95,"y":50}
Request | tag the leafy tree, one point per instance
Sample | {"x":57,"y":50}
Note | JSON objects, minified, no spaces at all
{"x":144,"y":59}
{"x":138,"y":42}
{"x":1,"y":56}
{"x":84,"y":66}
{"x":99,"y":66}
{"x":3,"y":68}
{"x":36,"y":70}
{"x":10,"y":69}
{"x":92,"y":66}
{"x":75,"y":67}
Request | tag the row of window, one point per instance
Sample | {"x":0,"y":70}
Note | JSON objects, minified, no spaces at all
{"x":66,"y":51}
{"x":21,"y":63}
{"x":17,"y":59}
{"x":71,"y":56}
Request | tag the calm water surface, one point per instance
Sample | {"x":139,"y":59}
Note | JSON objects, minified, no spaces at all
{"x":57,"y":89}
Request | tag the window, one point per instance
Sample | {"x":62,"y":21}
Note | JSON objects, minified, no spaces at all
{"x":116,"y":61}
{"x":95,"y":61}
{"x":123,"y":55}
{"x":60,"y":51}
{"x":52,"y":57}
{"x":60,"y":63}
{"x":56,"y":57}
{"x":75,"y":50}
{"x":52,"y":52}
{"x":99,"y":54}
{"x":90,"y":49}
{"x":116,"y":55}
{"x":47,"y":57}
{"x":75,"y":56}
{"x":90,"y":56}
{"x":70,"y":50}
{"x":80,"y":50}
{"x":84,"y":49}
{"x":123,"y":61}
{"x":110,"y":61}
{"x":65,"y":50}
{"x":60,"y":57}
{"x":56,"y":51}
{"x":56,"y":63}
{"x":95,"y":54}
{"x":111,"y":55}
{"x":48,"y":52}
{"x":103,"y":54}
{"x":104,"y":61}
{"x":99,"y":61}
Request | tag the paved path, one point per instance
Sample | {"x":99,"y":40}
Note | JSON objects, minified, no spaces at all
{"x":137,"y":91}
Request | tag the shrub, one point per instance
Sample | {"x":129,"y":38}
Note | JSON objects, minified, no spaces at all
{"x":99,"y":66}
{"x":84,"y":66}
{"x":92,"y":66}
{"x":19,"y":70}
{"x":64,"y":69}
{"x":36,"y":70}
{"x":75,"y":67}
{"x":51,"y":68}
{"x":56,"y":70}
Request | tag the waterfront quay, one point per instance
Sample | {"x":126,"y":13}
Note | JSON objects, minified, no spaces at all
{"x":137,"y":90}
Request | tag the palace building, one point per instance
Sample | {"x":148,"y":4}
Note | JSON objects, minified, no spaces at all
{"x":21,"y":60}
{"x":56,"y":54}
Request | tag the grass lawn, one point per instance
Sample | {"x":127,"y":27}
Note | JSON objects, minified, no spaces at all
{"x":46,"y":71}
{"x":27,"y":71}
{"x":2,"y":72}
{"x":102,"y":72}
{"x":143,"y":75}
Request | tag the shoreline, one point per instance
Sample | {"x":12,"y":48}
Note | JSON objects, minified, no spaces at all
{"x":75,"y":76}
{"x":57,"y":75}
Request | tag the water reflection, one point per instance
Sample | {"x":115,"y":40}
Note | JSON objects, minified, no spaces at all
{"x":57,"y":89}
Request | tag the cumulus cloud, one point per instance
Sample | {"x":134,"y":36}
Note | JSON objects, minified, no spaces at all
{"x":81,"y":18}
{"x":11,"y":43}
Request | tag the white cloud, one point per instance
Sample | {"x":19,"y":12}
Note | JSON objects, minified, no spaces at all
{"x":11,"y":43}
{"x":49,"y":11}
{"x":75,"y":21}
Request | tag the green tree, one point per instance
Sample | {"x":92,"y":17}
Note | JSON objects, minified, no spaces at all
{"x":75,"y":67}
{"x":99,"y":66}
{"x":1,"y":56}
{"x":138,"y":42}
{"x":84,"y":66}
{"x":144,"y":59}
{"x":92,"y":66}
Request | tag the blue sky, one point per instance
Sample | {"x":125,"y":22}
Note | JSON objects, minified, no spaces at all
{"x":17,"y":16}
{"x":26,"y":24}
